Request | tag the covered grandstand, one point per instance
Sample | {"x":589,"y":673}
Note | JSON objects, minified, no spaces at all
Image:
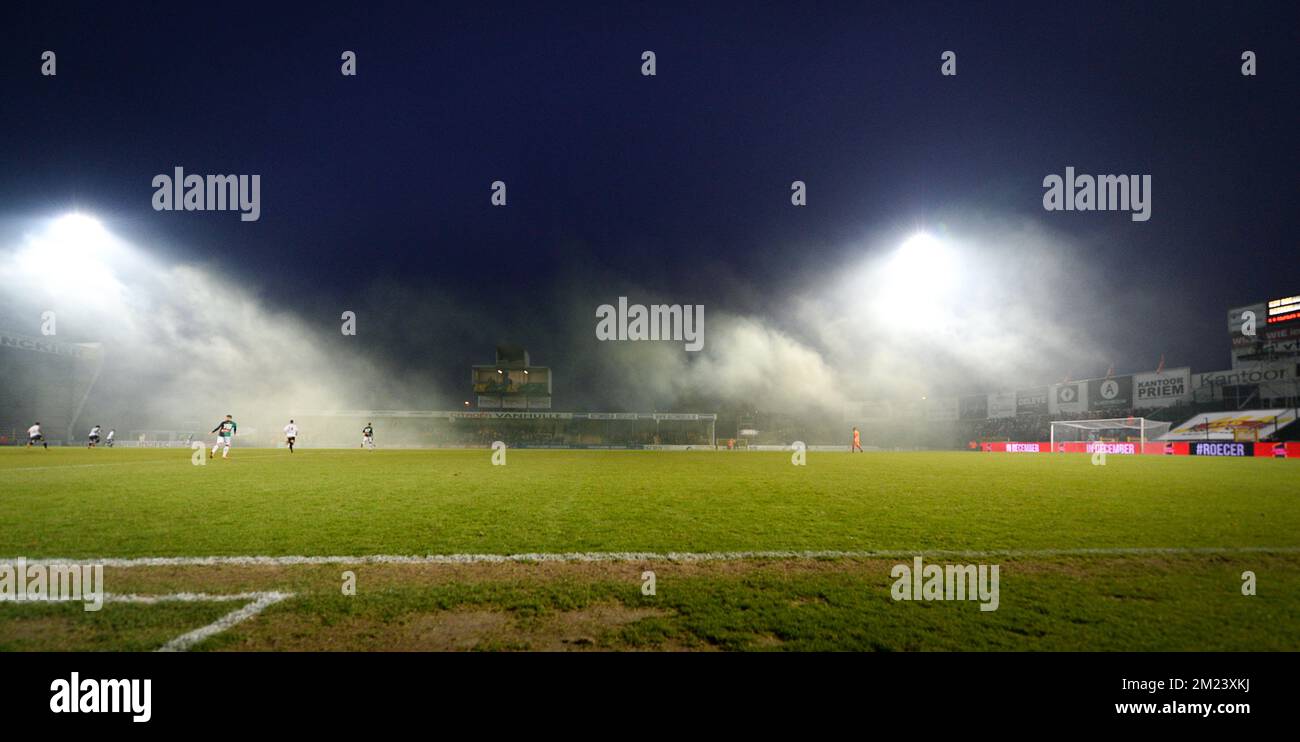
{"x":45,"y":381}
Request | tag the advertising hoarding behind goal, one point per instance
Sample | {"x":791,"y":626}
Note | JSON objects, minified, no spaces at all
{"x":1226,"y":426}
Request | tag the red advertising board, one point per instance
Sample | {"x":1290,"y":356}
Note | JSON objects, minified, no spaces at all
{"x":1289,"y":450}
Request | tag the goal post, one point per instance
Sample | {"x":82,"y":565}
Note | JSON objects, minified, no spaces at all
{"x":1130,"y":429}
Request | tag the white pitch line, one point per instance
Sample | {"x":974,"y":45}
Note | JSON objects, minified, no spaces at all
{"x":189,"y":597}
{"x":185,"y":459}
{"x":56,"y":467}
{"x":259,"y":602}
{"x":185,"y":641}
{"x":649,"y":556}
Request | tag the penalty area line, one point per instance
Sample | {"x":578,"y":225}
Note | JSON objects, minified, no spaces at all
{"x":651,"y":556}
{"x":258,"y":602}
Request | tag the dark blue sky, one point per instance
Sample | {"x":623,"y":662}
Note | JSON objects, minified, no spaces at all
{"x":679,"y":182}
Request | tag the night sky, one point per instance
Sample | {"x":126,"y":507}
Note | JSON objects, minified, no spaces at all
{"x":375,"y":188}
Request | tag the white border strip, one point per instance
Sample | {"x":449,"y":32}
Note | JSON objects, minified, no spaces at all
{"x":57,"y":467}
{"x":190,"y":597}
{"x":260,"y":602}
{"x":651,"y":556}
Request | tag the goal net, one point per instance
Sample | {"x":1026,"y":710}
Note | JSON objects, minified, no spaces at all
{"x":1113,"y":430}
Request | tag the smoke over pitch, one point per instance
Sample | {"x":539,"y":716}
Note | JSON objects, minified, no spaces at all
{"x":998,"y":307}
{"x":982,"y":308}
{"x":182,"y":345}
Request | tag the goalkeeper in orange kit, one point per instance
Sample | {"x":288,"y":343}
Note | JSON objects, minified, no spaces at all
{"x":857,"y":441}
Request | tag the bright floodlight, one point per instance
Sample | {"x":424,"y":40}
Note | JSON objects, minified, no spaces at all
{"x":921,"y":263}
{"x":78,"y":231}
{"x":918,"y":280}
{"x":69,"y":256}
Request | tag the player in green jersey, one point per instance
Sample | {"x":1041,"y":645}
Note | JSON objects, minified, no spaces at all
{"x":225,"y":430}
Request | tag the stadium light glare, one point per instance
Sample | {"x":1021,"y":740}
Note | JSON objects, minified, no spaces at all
{"x":922,"y":262}
{"x":71,"y":255}
{"x":918,"y":276}
{"x":80,"y":230}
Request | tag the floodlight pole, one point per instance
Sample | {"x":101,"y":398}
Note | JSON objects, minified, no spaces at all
{"x":99,"y":366}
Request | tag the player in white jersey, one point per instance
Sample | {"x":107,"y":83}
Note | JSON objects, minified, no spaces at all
{"x":92,"y":440}
{"x":34,"y":436}
{"x":368,"y":436}
{"x":109,"y":440}
{"x":290,"y":434}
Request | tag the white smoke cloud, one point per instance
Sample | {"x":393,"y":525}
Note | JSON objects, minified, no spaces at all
{"x":1008,"y":308}
{"x":181,"y":343}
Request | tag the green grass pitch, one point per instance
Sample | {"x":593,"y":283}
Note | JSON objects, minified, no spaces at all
{"x":1065,"y":533}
